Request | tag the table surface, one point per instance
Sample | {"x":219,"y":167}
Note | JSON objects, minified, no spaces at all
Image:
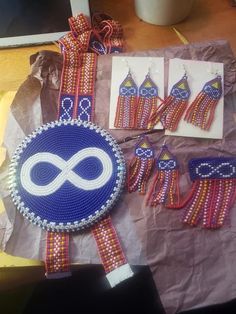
{"x":209,"y":19}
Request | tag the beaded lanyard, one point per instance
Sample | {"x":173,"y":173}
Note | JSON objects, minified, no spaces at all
{"x":77,"y":101}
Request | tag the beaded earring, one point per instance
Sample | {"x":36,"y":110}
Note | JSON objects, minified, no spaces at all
{"x":165,"y":186}
{"x":202,"y":110}
{"x":140,"y":166}
{"x":126,"y":103}
{"x":172,"y":108}
{"x":213,"y":192}
{"x":147,"y":102}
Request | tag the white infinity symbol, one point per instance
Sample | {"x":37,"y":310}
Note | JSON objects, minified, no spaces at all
{"x":213,"y":170}
{"x":66,"y":171}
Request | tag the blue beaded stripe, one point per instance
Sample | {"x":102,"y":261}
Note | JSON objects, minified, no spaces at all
{"x":212,"y":91}
{"x":181,"y":90}
{"x":85,"y":107}
{"x":68,"y":208}
{"x":170,"y":164}
{"x":148,"y":91}
{"x":66,"y":108}
{"x":212,"y":168}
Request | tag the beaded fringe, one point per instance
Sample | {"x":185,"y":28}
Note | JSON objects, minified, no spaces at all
{"x":165,"y":186}
{"x":139,"y":168}
{"x":212,"y":194}
{"x":172,"y":108}
{"x":202,"y":110}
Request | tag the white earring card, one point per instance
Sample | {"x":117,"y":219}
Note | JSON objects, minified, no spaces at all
{"x":198,"y":74}
{"x":139,"y":68}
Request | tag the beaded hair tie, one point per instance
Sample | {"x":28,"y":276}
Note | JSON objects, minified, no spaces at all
{"x":165,"y":186}
{"x":213,"y":191}
{"x":172,"y":108}
{"x":140,"y":166}
{"x":202,"y":110}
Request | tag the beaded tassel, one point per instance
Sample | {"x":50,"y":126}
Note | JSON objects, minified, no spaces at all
{"x":165,"y":186}
{"x":213,"y":192}
{"x":147,"y":102}
{"x":172,"y":108}
{"x":202,"y":110}
{"x":126,"y":104}
{"x":139,"y":169}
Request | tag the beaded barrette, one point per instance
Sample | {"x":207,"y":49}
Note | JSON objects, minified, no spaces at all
{"x":172,"y":108}
{"x":202,"y":110}
{"x":165,"y":186}
{"x":213,"y":191}
{"x":126,"y":103}
{"x":147,"y":102}
{"x":139,"y":168}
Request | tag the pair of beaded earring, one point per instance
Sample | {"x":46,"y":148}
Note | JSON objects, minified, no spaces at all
{"x":136,"y":105}
{"x":164,"y":187}
{"x":201,"y":111}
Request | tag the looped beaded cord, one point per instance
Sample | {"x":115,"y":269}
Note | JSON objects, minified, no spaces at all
{"x":213,"y":192}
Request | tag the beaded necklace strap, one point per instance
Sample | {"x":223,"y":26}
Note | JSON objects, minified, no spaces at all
{"x":106,"y":37}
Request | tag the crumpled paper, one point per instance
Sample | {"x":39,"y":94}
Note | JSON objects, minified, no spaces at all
{"x":192,"y":267}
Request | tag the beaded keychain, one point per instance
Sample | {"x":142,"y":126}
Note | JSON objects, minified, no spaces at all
{"x":139,"y":168}
{"x":213,"y":191}
{"x":165,"y":186}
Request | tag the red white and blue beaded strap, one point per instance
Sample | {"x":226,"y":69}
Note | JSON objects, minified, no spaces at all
{"x":77,"y":101}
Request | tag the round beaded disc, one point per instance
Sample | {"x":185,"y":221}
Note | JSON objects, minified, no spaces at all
{"x":66,"y":175}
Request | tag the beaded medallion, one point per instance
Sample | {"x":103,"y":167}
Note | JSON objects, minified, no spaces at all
{"x":66,"y":175}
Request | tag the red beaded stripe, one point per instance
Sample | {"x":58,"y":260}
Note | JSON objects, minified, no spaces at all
{"x":165,"y":188}
{"x":57,"y":253}
{"x":201,"y":112}
{"x":125,"y":112}
{"x":146,"y":106}
{"x":108,"y":245}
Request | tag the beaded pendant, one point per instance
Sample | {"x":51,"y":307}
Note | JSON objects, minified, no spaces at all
{"x":213,"y":192}
{"x":172,"y":108}
{"x":147,"y":102}
{"x":139,"y":169}
{"x":165,"y":186}
{"x":202,"y":110}
{"x":126,"y":103}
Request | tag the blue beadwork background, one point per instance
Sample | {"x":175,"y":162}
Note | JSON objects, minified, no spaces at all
{"x":68,"y":204}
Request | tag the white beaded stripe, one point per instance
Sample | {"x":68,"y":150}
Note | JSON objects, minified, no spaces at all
{"x":119,"y":274}
{"x":66,"y":171}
